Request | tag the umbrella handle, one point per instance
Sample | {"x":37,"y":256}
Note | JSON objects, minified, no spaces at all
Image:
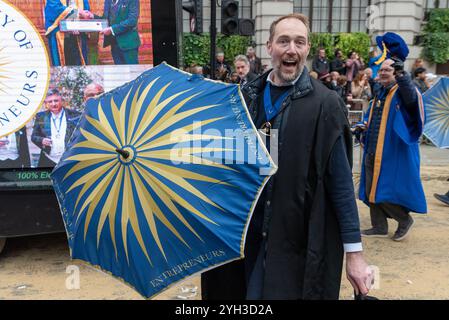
{"x":123,"y":153}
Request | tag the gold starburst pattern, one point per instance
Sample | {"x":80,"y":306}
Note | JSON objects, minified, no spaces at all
{"x":135,"y":186}
{"x":3,"y":72}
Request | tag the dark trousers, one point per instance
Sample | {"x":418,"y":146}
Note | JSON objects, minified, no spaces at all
{"x":45,"y":162}
{"x":379,"y":212}
{"x":124,"y":57}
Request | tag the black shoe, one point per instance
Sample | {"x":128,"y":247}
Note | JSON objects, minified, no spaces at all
{"x":442,"y":197}
{"x":374,"y":233}
{"x":402,"y":232}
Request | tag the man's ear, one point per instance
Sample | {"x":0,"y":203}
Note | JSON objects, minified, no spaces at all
{"x":310,"y":46}
{"x":269,"y":47}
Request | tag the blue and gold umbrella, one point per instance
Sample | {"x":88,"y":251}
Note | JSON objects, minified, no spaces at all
{"x":436,"y":101}
{"x":160,"y":179}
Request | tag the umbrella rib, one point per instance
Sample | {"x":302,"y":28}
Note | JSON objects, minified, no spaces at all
{"x":117,"y":122}
{"x":164,"y":196}
{"x":154,"y":102}
{"x":128,"y":198}
{"x":179,"y":138}
{"x":96,"y":195}
{"x":89,"y":179}
{"x":103,"y":125}
{"x":185,"y":173}
{"x":174,"y":134}
{"x":155,"y":112}
{"x":152,"y":209}
{"x":136,"y":108}
{"x":197,"y":126}
{"x":184,"y":185}
{"x":173,"y":120}
{"x":173,"y":110}
{"x":109,"y":207}
{"x":170,"y":205}
{"x":82,"y":165}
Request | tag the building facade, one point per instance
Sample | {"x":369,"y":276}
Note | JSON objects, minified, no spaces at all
{"x":405,"y":17}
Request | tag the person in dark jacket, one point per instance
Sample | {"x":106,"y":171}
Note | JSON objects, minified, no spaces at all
{"x":420,"y":80}
{"x":338,"y":64}
{"x":14,"y":152}
{"x":306,"y":216}
{"x":320,"y":64}
{"x":52,"y":129}
{"x":122,"y":34}
{"x":254,"y":61}
{"x":242,"y":66}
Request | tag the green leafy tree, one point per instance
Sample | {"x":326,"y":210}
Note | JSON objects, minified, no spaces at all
{"x":196,"y":47}
{"x":71,"y":82}
{"x":346,"y":42}
{"x":436,"y":36}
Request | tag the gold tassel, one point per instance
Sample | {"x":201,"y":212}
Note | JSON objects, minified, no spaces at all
{"x":384,"y":55}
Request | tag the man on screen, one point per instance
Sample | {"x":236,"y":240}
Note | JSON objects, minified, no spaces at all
{"x":14,"y":151}
{"x":53,"y":128}
{"x":121,"y":35}
{"x":69,"y":48}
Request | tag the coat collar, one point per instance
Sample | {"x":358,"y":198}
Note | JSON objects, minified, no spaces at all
{"x":302,"y":87}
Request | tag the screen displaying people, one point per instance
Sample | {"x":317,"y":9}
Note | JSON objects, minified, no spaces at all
{"x":85,"y":63}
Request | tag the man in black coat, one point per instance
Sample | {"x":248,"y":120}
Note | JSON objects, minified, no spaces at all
{"x":52,"y":129}
{"x":306,"y":216}
{"x":14,"y":152}
{"x":242,"y":67}
{"x":338,"y":64}
{"x":320,"y":64}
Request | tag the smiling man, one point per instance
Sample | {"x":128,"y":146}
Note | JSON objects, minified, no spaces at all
{"x":306,"y":217}
{"x":53,"y":128}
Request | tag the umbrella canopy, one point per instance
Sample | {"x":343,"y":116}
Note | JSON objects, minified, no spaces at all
{"x":160,"y":179}
{"x":436,"y":101}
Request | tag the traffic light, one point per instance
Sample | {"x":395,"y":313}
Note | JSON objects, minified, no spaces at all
{"x":229,"y":17}
{"x":246,"y":27}
{"x":195,"y":9}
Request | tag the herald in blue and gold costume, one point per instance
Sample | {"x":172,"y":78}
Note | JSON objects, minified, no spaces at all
{"x":65,"y":48}
{"x":390,"y":180}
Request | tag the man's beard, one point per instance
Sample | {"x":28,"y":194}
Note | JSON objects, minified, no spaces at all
{"x":289,"y":77}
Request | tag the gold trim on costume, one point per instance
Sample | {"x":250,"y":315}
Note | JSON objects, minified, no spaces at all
{"x":380,"y":144}
{"x":384,"y":55}
{"x":60,"y":43}
{"x":62,"y":16}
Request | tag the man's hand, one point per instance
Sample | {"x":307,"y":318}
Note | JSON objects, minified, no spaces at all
{"x":398,"y":65}
{"x":85,"y":14}
{"x":46,"y":142}
{"x":359,"y":274}
{"x":107,"y":31}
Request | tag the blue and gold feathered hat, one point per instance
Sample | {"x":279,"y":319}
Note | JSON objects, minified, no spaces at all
{"x":392,"y":45}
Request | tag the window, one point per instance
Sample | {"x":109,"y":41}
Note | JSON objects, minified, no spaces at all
{"x":334,"y":15}
{"x":441,"y":4}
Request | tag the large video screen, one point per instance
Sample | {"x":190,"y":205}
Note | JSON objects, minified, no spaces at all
{"x":92,"y":46}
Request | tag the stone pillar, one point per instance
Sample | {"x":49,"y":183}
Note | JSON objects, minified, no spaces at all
{"x":403,"y":17}
{"x":265,"y":12}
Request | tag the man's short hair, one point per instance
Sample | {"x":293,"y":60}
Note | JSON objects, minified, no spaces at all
{"x":298,"y":16}
{"x":419,"y":70}
{"x":53,"y":92}
{"x":242,"y":58}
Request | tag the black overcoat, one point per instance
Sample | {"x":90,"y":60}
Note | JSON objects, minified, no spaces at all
{"x":304,"y":252}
